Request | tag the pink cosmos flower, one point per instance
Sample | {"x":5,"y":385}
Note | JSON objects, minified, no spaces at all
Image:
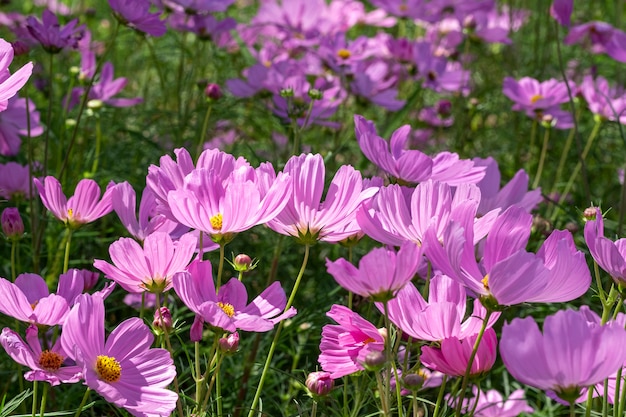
{"x":150,"y":268}
{"x":10,"y":84}
{"x":15,"y":183}
{"x":345,"y":345}
{"x":452,"y":357}
{"x":515,"y":192}
{"x":596,"y":34}
{"x":610,"y":256}
{"x":45,"y":365}
{"x":229,"y":310}
{"x":442,"y":317}
{"x":123,"y":369}
{"x":411,"y":166}
{"x":491,"y":404}
{"x":29,"y":300}
{"x":572,"y":353}
{"x":507,"y":274}
{"x":604,"y":100}
{"x":309,"y":219}
{"x":51,"y":35}
{"x":83,"y":207}
{"x":136,"y":15}
{"x":448,"y":167}
{"x":381,"y":273}
{"x":17,"y":121}
{"x":396,"y":214}
{"x":223,"y":207}
{"x":197,"y":6}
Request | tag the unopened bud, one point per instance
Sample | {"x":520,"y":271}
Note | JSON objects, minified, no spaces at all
{"x":590,"y":213}
{"x":319,"y":383}
{"x":230,"y":343}
{"x":243,"y":263}
{"x":12,"y":224}
{"x":413,"y":381}
{"x":162,"y":319}
{"x":286,"y":92}
{"x":444,"y":108}
{"x":95,"y":104}
{"x":315,"y":94}
{"x":213,"y":91}
{"x":374,"y":361}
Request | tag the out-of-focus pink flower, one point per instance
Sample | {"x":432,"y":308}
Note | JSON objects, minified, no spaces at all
{"x":491,"y":404}
{"x":452,"y":357}
{"x":45,"y":365}
{"x":534,"y":96}
{"x":83,"y":207}
{"x":113,"y":368}
{"x":12,"y":224}
{"x":571,"y":354}
{"x":150,"y":268}
{"x":18,"y":119}
{"x":596,"y":34}
{"x":561,"y":11}
{"x":345,"y":345}
{"x":51,"y":35}
{"x":206,"y":27}
{"x":197,"y":6}
{"x":15,"y":182}
{"x":381,"y":273}
{"x":136,"y":15}
{"x":105,"y":90}
{"x":605,"y":101}
{"x":10,"y":84}
{"x":229,"y":310}
{"x":305,"y":216}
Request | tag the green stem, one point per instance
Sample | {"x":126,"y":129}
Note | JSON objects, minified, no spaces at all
{"x":205,"y":126}
{"x":220,"y":268}
{"x":49,"y":116}
{"x":618,"y":382}
{"x":470,"y":361}
{"x":390,"y":357}
{"x":622,"y":401}
{"x":564,"y":154}
{"x":442,"y":390}
{"x":384,"y":398}
{"x":542,"y":157}
{"x":68,"y":243}
{"x":314,"y":409}
{"x":214,"y":362}
{"x":533,"y":138}
{"x":35,"y":389}
{"x":96,"y":159}
{"x":268,"y":360}
{"x":82,"y":403}
{"x":218,"y":383}
{"x":44,"y":396}
{"x":199,"y":379}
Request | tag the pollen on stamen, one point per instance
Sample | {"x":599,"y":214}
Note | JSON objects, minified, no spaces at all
{"x":108,"y":369}
{"x":485,"y":282}
{"x":70,"y":214}
{"x":536,"y":98}
{"x":227,"y":308}
{"x":216,"y":221}
{"x":50,"y":361}
{"x":344,"y":53}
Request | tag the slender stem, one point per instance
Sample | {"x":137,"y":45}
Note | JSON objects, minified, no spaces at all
{"x":217,"y":360}
{"x":220,"y":268}
{"x":68,"y":243}
{"x":218,"y":383}
{"x":49,"y":116}
{"x":314,"y":409}
{"x":533,"y":137}
{"x":391,"y":357}
{"x":572,"y":409}
{"x":470,"y":361}
{"x":542,"y":157}
{"x":442,"y":390}
{"x":205,"y":125}
{"x":199,"y":379}
{"x":622,"y":401}
{"x":618,"y":382}
{"x":13,"y":265}
{"x":96,"y":159}
{"x":268,"y":360}
{"x":564,"y":154}
{"x":35,"y":389}
{"x":82,"y":403}
{"x":384,"y":398}
{"x":44,"y":396}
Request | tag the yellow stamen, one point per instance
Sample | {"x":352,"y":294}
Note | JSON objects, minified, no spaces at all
{"x":108,"y":369}
{"x":343,"y":53}
{"x":50,"y":361}
{"x":227,"y":308}
{"x":216,"y":221}
{"x":536,"y":98}
{"x":369,"y":340}
{"x":70,"y":214}
{"x":485,"y":282}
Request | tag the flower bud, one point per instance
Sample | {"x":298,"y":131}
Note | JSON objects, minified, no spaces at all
{"x":444,"y":108}
{"x":319,"y":383}
{"x":230,"y":343}
{"x":95,"y":104}
{"x":12,"y":224}
{"x":315,"y":94}
{"x":413,"y":381}
{"x":20,"y":48}
{"x":162,"y":319}
{"x":374,"y":361}
{"x":243,"y":263}
{"x":213,"y":91}
{"x":286,"y":92}
{"x":589,"y":213}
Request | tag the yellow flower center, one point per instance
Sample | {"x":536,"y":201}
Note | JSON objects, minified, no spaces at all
{"x":227,"y":308}
{"x":403,"y":7}
{"x":50,"y":361}
{"x":108,"y":369}
{"x":369,"y":340}
{"x":343,"y":53}
{"x":485,"y":282}
{"x":536,"y":98}
{"x":70,"y":214}
{"x":216,"y":221}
